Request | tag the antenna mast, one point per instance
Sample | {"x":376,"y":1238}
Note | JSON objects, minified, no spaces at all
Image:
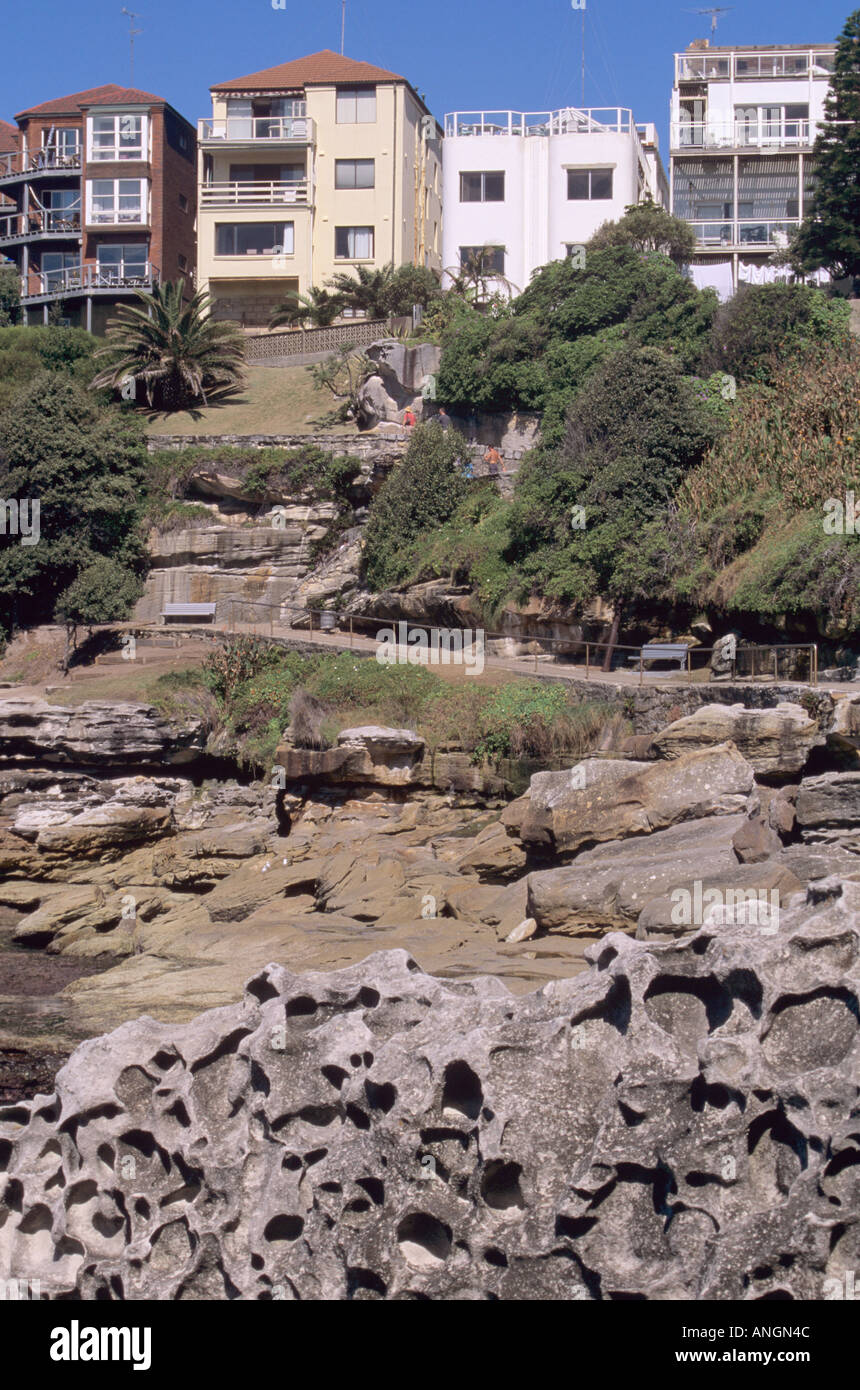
{"x":132,"y":34}
{"x":342,"y":25}
{"x":713,"y":11}
{"x":580,"y":5}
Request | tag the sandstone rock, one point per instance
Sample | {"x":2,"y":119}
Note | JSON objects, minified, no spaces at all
{"x":95,"y":733}
{"x":386,"y":757}
{"x":775,"y":742}
{"x":844,"y":731}
{"x":524,"y":932}
{"x":781,"y":811}
{"x":710,"y":782}
{"x":756,"y":841}
{"x":674,"y":1124}
{"x":493,"y":855}
{"x":829,"y":805}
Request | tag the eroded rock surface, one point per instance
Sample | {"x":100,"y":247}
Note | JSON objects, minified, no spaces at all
{"x":681,"y":1122}
{"x":776,"y":742}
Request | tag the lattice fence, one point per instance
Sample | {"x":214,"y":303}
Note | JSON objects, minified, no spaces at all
{"x":298,"y":343}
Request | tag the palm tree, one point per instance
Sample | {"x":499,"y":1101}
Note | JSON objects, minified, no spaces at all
{"x":174,"y":347}
{"x":317,"y":307}
{"x":475,"y":280}
{"x":367,"y":290}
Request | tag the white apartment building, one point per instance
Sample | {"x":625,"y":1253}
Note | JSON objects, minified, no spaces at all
{"x":743,"y":124}
{"x":521,"y":189}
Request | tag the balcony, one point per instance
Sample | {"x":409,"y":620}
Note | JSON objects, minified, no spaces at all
{"x":254,"y":194}
{"x":749,"y":234}
{"x":90,"y":279}
{"x":612,"y":120}
{"x":712,"y":66}
{"x":257,"y":130}
{"x":34,"y":163}
{"x":18,"y":226}
{"x":743,"y":135}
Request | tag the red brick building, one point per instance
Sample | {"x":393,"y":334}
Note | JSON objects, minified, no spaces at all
{"x":97,"y":199}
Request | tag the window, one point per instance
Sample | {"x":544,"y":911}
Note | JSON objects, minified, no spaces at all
{"x":183,"y":261}
{"x":355,"y":173}
{"x":117,"y":200}
{"x":64,"y":140}
{"x":589,"y":185}
{"x":117,"y":137}
{"x":62,"y":210}
{"x":487,"y":260}
{"x":60,"y":270}
{"x":255,"y":239}
{"x":353,"y":243}
{"x":120,"y":263}
{"x":482,"y":188}
{"x":356,"y":105}
{"x":183,"y":203}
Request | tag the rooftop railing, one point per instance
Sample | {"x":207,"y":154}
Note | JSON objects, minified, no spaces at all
{"x":611,"y":120}
{"x":242,"y":130}
{"x":749,"y":233}
{"x":709,"y":65}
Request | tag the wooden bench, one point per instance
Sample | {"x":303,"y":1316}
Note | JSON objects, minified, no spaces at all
{"x":662,"y":651}
{"x":188,"y":612}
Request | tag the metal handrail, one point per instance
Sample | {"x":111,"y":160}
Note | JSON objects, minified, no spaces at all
{"x":586,"y":647}
{"x":253,"y":193}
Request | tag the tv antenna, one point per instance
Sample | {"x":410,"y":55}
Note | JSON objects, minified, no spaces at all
{"x":713,"y":11}
{"x":580,"y":5}
{"x":132,"y":35}
{"x":342,"y":25}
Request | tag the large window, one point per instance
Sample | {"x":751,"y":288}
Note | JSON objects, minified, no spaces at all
{"x":589,"y":185}
{"x":486,"y":260}
{"x":482,"y":188}
{"x":356,"y":105}
{"x":117,"y":263}
{"x":255,"y":239}
{"x":355,"y":173}
{"x":353,"y":243}
{"x":65,"y":141}
{"x":118,"y":136}
{"x":60,"y":270}
{"x":117,"y":200}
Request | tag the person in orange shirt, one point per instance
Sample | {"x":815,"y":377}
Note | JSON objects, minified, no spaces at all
{"x":409,"y":418}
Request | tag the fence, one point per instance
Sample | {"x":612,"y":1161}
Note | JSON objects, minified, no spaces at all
{"x":300,"y":342}
{"x":773,"y":662}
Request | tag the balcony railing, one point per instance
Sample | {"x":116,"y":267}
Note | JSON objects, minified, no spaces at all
{"x":46,"y":223}
{"x":89,"y":278}
{"x":615,"y":120}
{"x":749,"y":233}
{"x":787,"y":134}
{"x":48,"y":160}
{"x":738,"y":67}
{"x":241,"y":130}
{"x":254,"y":194}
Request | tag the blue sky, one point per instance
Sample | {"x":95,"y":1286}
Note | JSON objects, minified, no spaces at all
{"x":462,"y":54}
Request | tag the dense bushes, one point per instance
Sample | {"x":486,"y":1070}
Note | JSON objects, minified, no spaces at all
{"x":764,"y":326}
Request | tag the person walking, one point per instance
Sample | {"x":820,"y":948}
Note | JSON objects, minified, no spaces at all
{"x":444,"y":419}
{"x":493,"y":460}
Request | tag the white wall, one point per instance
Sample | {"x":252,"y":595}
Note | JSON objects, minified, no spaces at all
{"x":537,"y":218}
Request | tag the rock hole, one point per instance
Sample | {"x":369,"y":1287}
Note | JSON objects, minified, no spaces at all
{"x":424,"y":1241}
{"x":284,"y":1227}
{"x":335,"y":1076}
{"x":302,"y":1006}
{"x":380,"y":1097}
{"x":500,"y":1185}
{"x":462,"y":1092}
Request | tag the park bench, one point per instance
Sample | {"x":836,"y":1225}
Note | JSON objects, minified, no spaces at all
{"x":188,"y":612}
{"x":662,"y":651}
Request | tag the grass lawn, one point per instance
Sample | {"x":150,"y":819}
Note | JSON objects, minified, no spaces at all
{"x":276,"y":400}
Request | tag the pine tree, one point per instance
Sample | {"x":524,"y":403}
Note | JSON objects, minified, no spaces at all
{"x":830,"y":235}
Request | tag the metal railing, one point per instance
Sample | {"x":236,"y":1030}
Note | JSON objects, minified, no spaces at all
{"x":36,"y":224}
{"x":755,"y":663}
{"x":750,"y":232}
{"x":592,"y":120}
{"x":83,"y":279}
{"x":240,"y":129}
{"x":709,"y":65}
{"x":256,"y":193}
{"x":48,"y":159}
{"x":298,"y":341}
{"x":754,"y":135}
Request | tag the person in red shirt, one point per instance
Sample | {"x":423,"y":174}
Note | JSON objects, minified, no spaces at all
{"x":409,"y":418}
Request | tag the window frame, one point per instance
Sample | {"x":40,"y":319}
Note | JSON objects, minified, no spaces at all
{"x":483,"y":175}
{"x":589,"y":171}
{"x":486,"y":271}
{"x":351,"y":255}
{"x":355,"y":187}
{"x":114,"y":153}
{"x":354,"y":93}
{"x":115,"y":219}
{"x":286,"y":230}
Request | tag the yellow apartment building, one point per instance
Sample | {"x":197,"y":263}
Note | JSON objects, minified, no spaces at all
{"x":314,"y":166}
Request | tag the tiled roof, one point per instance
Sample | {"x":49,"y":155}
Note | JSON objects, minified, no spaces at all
{"x":316,"y":68}
{"x":8,"y":137}
{"x":109,"y":95}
